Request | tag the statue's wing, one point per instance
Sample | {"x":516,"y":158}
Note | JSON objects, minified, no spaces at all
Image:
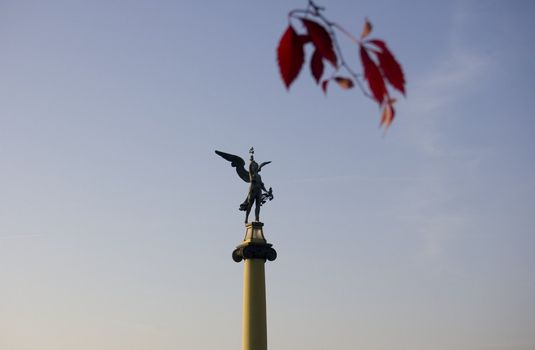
{"x":237,"y":163}
{"x":261,"y":165}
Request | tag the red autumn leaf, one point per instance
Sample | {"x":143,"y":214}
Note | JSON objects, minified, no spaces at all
{"x":316,"y":65}
{"x":373,"y":76}
{"x":321,"y":39}
{"x":345,"y":83}
{"x":390,"y":66}
{"x":290,"y":56}
{"x":388,"y":114}
{"x":367,"y":29}
{"x":324,"y":86}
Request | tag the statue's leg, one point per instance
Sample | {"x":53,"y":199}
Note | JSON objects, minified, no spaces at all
{"x":257,"y":208}
{"x":248,"y":211}
{"x":257,"y":212}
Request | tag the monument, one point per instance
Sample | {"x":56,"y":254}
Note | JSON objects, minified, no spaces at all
{"x":254,"y":251}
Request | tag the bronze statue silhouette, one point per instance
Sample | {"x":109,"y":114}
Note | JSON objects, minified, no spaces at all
{"x":257,"y":194}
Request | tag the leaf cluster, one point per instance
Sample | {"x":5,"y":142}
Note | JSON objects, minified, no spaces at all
{"x":380,"y":68}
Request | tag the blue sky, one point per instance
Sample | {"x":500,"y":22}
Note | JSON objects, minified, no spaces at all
{"x":117,"y":220}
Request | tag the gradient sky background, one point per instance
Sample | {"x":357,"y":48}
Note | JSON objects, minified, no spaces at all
{"x":117,"y":220}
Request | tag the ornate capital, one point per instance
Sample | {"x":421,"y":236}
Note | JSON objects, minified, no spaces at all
{"x":251,"y":250}
{"x":254,"y":245}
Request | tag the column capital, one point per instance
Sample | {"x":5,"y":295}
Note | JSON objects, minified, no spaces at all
{"x":250,"y":250}
{"x":254,"y":245}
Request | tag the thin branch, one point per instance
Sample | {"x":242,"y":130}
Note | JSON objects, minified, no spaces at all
{"x":349,"y":35}
{"x":343,"y":63}
{"x":315,"y":10}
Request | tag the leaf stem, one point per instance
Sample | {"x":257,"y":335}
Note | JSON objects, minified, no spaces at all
{"x":347,"y":33}
{"x":315,"y":10}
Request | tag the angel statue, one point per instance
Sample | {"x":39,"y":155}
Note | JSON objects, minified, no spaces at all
{"x":258,"y":194}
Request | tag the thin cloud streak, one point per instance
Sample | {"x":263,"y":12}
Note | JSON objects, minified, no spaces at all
{"x":432,"y":98}
{"x":22,"y":236}
{"x":432,"y":95}
{"x":327,"y":179}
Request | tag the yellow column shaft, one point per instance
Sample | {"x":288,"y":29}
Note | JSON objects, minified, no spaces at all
{"x":254,"y":305}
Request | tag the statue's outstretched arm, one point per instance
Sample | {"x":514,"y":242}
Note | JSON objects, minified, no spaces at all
{"x":262,"y":164}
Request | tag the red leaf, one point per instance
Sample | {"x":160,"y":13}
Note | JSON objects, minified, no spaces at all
{"x":324,"y":86}
{"x":290,"y":56}
{"x":388,"y":115}
{"x":321,"y":39}
{"x":345,"y":83}
{"x":373,"y":76}
{"x":304,"y":39}
{"x":390,"y":66}
{"x":367,"y":29}
{"x":316,"y":66}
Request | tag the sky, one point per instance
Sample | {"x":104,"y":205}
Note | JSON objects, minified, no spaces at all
{"x":117,"y":220}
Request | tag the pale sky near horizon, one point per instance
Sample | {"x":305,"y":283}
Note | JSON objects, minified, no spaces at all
{"x":117,"y":220}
